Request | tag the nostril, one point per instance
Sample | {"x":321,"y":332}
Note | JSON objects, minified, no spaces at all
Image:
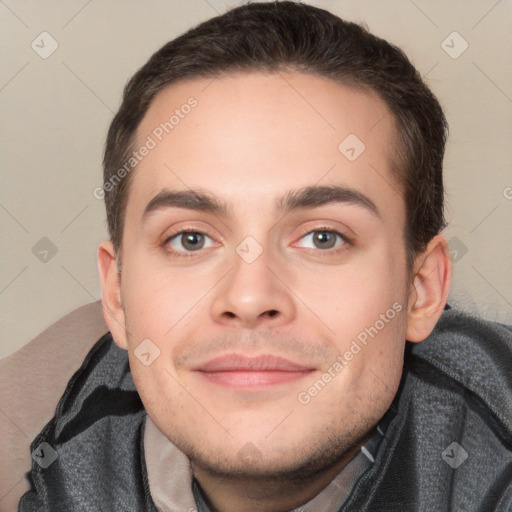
{"x":272,"y":312}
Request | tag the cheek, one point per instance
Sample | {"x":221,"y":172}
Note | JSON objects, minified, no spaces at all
{"x":172,"y":407}
{"x":376,"y":353}
{"x":159,"y":299}
{"x":368,"y":315}
{"x":152,"y":384}
{"x":366,"y":385}
{"x":349,"y":299}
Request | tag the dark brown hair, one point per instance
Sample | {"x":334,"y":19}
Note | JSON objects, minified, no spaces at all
{"x":290,"y":36}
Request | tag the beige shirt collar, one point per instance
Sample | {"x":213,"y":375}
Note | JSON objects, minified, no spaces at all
{"x":170,"y":476}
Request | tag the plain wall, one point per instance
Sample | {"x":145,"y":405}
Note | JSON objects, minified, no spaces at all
{"x":55,"y":113}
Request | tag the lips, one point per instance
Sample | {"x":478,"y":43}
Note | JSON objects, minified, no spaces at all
{"x":235,"y":362}
{"x":237,"y":371}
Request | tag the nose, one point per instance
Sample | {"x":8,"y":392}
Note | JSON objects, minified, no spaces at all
{"x":254,"y":294}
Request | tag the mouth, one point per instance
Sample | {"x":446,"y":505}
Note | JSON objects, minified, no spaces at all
{"x":242,"y":372}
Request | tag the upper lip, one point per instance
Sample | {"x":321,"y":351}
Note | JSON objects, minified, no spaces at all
{"x":238,"y":362}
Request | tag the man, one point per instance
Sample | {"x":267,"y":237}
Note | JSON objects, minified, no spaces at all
{"x":274,"y":194}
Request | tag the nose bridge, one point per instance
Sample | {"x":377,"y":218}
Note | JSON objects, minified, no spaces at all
{"x":251,"y":293}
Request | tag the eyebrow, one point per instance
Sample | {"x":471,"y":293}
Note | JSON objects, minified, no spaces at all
{"x":303,"y":198}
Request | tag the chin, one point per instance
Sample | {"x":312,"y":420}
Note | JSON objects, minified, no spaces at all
{"x":295,"y":460}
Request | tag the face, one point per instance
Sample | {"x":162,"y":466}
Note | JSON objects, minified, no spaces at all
{"x":265,"y":263}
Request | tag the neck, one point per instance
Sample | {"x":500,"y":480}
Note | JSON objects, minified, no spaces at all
{"x":227,"y":493}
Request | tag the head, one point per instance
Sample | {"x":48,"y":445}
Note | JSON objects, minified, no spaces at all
{"x":302,"y":156}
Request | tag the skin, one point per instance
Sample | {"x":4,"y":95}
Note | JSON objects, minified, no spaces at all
{"x":251,"y":138}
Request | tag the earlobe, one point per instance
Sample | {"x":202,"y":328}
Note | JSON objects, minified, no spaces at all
{"x":430,"y":288}
{"x":111,"y":293}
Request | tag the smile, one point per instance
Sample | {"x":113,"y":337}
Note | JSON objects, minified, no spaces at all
{"x":241,"y":372}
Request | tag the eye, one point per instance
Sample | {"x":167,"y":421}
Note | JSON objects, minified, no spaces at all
{"x":325,"y":239}
{"x":190,"y":241}
{"x":184,"y":243}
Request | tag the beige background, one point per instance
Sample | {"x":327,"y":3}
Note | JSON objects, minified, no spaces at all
{"x":55,"y":113}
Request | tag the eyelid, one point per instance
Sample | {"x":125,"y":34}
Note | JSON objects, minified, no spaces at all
{"x":326,"y":226}
{"x":187,"y":232}
{"x":182,"y":231}
{"x":181,"y":228}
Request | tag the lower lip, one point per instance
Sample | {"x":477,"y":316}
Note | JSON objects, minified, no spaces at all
{"x":242,"y":379}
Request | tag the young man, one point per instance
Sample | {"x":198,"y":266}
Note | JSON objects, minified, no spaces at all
{"x":274,"y":193}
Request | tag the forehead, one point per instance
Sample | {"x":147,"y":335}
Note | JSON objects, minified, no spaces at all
{"x":256,"y":135}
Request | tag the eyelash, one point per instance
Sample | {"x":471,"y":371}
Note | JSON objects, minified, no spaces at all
{"x":347,"y":241}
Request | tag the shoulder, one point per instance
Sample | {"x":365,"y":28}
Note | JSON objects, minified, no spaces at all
{"x":450,"y":424}
{"x":32,"y":381}
{"x":472,"y":357}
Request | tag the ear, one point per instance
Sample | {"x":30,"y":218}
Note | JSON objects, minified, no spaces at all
{"x":429,"y":289}
{"x":111,"y":293}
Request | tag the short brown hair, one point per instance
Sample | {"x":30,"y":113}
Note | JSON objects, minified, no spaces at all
{"x":286,"y":35}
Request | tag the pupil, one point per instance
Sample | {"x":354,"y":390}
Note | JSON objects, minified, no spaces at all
{"x":191,"y":238}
